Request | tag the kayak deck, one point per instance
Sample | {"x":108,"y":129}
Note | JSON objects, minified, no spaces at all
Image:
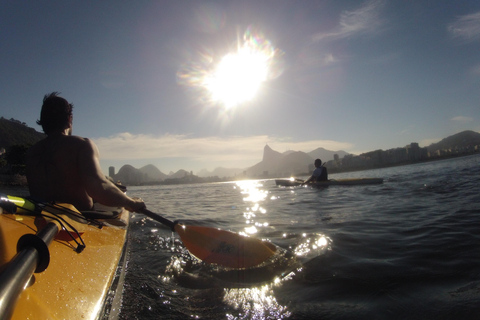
{"x":74,"y":285}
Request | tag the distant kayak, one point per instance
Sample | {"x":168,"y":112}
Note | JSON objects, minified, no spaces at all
{"x":288,"y":182}
{"x":338,"y":182}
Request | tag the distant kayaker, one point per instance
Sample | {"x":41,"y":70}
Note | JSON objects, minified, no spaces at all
{"x":319,"y":174}
{"x":66,"y":168}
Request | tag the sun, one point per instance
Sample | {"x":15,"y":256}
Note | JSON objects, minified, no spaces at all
{"x":238,"y":77}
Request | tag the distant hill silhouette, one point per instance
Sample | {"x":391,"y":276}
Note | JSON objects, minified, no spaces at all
{"x":179,"y":174}
{"x":221,"y":172}
{"x":462,"y":139}
{"x":153,"y":173}
{"x":326,"y":155}
{"x":273,"y":163}
{"x":14,"y":132}
{"x":129,"y":175}
{"x":132,"y":176}
{"x":289,"y":163}
{"x":148,"y":174}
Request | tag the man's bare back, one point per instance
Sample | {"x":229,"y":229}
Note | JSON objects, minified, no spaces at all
{"x":55,"y":170}
{"x":66,"y":168}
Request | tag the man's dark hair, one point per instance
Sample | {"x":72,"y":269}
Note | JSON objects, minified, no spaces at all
{"x":55,"y":114}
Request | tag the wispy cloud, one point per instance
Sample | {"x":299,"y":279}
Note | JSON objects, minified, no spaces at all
{"x":329,"y":59}
{"x":408,"y":130}
{"x":365,"y":20}
{"x":462,"y":119}
{"x":208,"y":152}
{"x":466,"y":28}
{"x":476,"y":69}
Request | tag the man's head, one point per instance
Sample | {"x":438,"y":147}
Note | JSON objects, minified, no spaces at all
{"x":318,"y":163}
{"x":56,"y":113}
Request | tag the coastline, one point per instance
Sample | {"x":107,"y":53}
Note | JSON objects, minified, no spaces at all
{"x":17,"y":184}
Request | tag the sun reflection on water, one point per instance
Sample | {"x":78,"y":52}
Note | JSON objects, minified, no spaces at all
{"x":253,"y":194}
{"x":255,"y":303}
{"x":247,"y":293}
{"x":311,"y":245}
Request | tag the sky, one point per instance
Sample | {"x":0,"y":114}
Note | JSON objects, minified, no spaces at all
{"x":344,"y":75}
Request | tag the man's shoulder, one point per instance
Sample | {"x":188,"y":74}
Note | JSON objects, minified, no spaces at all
{"x":75,"y":142}
{"x":77,"y":139}
{"x":81,"y":143}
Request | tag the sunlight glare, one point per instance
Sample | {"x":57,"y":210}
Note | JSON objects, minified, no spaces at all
{"x":255,"y":303}
{"x":234,"y":78}
{"x":313,"y":244}
{"x":251,"y":230}
{"x":253,"y":193}
{"x":238,"y":77}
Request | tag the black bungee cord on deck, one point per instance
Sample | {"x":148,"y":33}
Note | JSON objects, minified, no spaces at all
{"x":11,"y":207}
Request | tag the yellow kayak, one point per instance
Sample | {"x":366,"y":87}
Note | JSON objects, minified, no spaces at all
{"x":79,"y":267}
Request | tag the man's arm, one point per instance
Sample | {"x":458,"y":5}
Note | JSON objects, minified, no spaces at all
{"x":97,"y":185}
{"x":308,"y":180}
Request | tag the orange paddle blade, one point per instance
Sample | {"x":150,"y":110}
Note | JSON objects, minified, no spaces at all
{"x":224,"y":248}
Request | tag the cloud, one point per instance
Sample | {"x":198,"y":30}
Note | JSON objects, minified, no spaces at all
{"x":408,"y":130}
{"x":206,"y":152}
{"x":462,"y":119}
{"x":476,"y":70}
{"x":364,"y":20}
{"x":329,"y":59}
{"x":466,"y":28}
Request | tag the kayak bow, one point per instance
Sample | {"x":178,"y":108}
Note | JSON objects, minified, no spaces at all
{"x":67,"y":282}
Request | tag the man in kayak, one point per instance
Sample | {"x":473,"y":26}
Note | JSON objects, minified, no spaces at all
{"x":319,"y":174}
{"x":66,"y":168}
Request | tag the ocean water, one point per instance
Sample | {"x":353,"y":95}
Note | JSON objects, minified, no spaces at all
{"x":406,"y":249}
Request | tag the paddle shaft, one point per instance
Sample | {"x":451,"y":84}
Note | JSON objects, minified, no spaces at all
{"x":32,"y":256}
{"x":159,"y":218}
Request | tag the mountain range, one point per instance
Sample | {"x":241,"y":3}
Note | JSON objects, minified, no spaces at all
{"x":14,"y":132}
{"x":273,"y":163}
{"x":464,"y":139}
{"x":290,"y":163}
